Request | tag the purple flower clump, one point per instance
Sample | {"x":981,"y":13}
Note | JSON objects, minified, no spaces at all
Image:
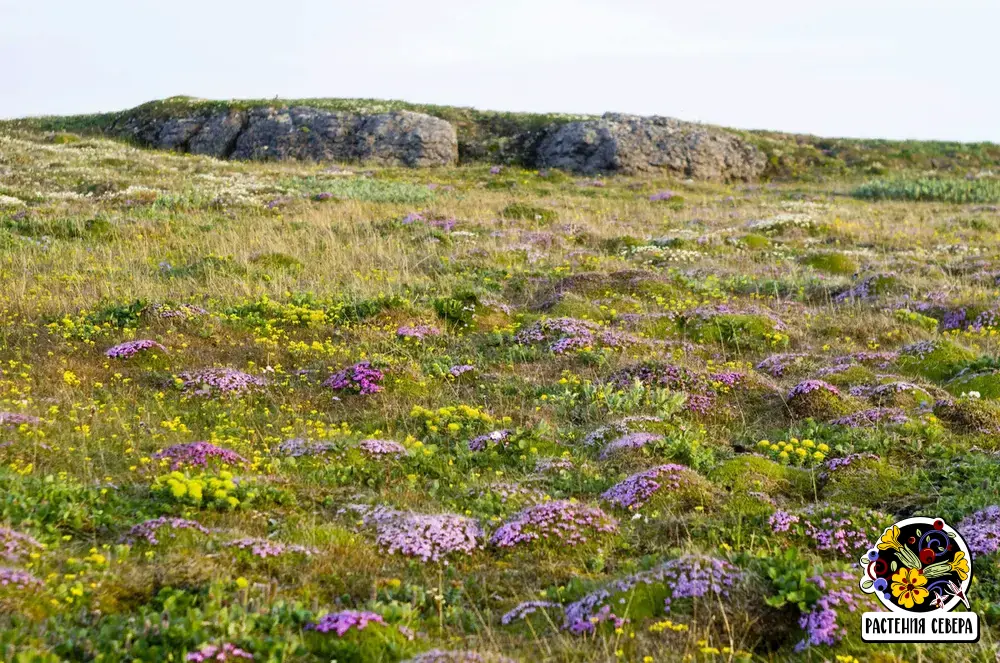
{"x":184,"y":311}
{"x":457,"y":656}
{"x":221,"y":380}
{"x":808,"y":386}
{"x":361,"y":378}
{"x":419,"y":332}
{"x":265,"y":548}
{"x":843,"y":531}
{"x":17,"y":578}
{"x":777,"y":364}
{"x":15,"y":546}
{"x":661,"y":195}
{"x":427,"y":536}
{"x":568,"y":522}
{"x":872,"y":417}
{"x":688,"y":577}
{"x":835,"y":464}
{"x":149,"y":530}
{"x":298,"y":447}
{"x":566,"y":334}
{"x":382,"y":447}
{"x":460,"y":369}
{"x":820,"y":623}
{"x":553,"y":464}
{"x":482,"y":442}
{"x":16,"y":419}
{"x":343,"y":621}
{"x":197,"y":454}
{"x":629,"y":442}
{"x":981,"y":531}
{"x":635,"y":491}
{"x":129,"y":349}
{"x":522,"y":610}
{"x":226,"y":652}
{"x":782,"y":521}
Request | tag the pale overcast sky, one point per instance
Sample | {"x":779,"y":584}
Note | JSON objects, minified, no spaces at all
{"x":875,"y":68}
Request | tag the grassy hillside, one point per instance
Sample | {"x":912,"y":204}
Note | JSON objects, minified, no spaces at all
{"x":491,"y":136}
{"x":305,"y":412}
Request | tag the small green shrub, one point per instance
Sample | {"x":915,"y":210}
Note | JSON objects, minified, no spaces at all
{"x":529,"y":213}
{"x":934,"y":190}
{"x":834,"y":263}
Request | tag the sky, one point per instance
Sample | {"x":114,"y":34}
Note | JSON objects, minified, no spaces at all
{"x":922,"y":69}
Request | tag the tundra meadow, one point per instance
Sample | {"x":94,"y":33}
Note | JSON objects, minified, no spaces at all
{"x":305,"y":412}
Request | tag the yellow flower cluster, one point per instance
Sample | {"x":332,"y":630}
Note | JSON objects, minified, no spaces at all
{"x":667,"y":625}
{"x":454,"y":419}
{"x":218,"y":491}
{"x":795,"y":451}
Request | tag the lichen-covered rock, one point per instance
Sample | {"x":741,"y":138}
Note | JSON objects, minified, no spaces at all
{"x":935,"y":360}
{"x":633,"y":144}
{"x":969,"y":415}
{"x":218,"y":134}
{"x":818,"y":400}
{"x":299,"y":132}
{"x":984,"y":383}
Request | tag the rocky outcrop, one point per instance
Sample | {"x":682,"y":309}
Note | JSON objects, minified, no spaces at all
{"x":627,"y":144}
{"x":301,"y":132}
{"x":632,"y":144}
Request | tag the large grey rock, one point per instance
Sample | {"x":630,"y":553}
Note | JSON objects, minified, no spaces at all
{"x":633,"y":144}
{"x":217,"y":135}
{"x":302,"y":132}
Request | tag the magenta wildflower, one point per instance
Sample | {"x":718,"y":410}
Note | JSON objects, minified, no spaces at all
{"x":149,"y":530}
{"x":226,"y":652}
{"x":382,"y":448}
{"x":635,"y":491}
{"x":222,"y":380}
{"x":570,"y":523}
{"x":361,"y":378}
{"x":197,"y":454}
{"x":343,"y":621}
{"x":129,"y":349}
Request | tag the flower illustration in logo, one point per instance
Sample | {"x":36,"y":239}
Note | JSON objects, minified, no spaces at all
{"x":908,"y":587}
{"x":918,"y":565}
